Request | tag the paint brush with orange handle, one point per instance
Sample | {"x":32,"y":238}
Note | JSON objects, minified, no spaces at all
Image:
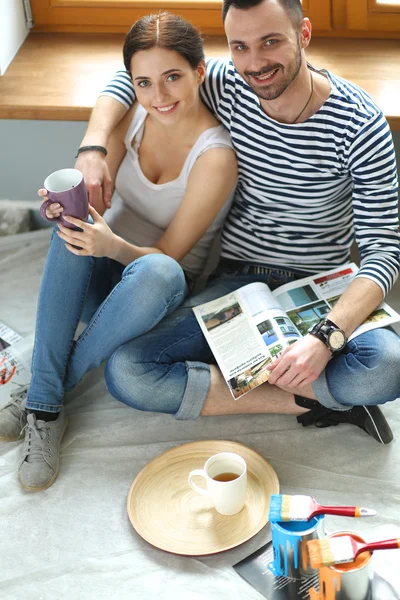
{"x":343,"y":549}
{"x":303,"y":508}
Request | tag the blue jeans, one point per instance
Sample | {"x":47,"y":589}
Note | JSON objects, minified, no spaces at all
{"x":118,"y":304}
{"x":167,"y":370}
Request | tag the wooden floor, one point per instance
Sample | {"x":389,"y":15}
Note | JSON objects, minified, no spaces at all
{"x":58,"y":76}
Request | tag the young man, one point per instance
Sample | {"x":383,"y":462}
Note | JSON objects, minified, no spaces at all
{"x":316,"y":163}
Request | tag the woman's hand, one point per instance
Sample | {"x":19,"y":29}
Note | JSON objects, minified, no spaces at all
{"x":96,"y":239}
{"x":53,"y":211}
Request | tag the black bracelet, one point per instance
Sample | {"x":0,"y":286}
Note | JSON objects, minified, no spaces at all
{"x":87,"y":148}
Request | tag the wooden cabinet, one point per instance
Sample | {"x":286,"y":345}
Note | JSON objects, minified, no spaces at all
{"x":319,"y":12}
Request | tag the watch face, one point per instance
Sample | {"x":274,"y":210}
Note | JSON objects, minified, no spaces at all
{"x":337,"y":340}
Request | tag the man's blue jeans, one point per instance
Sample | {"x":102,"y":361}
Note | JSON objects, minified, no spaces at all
{"x":118,"y":304}
{"x":167,"y":369}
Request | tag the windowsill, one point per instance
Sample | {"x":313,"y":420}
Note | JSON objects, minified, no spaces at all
{"x":58,"y":76}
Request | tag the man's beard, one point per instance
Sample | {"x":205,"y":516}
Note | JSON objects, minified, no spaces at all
{"x":273,"y":91}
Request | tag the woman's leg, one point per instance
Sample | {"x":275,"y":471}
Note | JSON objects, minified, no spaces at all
{"x":62,"y":295}
{"x":151,"y":288}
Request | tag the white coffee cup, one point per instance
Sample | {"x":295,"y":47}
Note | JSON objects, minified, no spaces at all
{"x":226,"y":479}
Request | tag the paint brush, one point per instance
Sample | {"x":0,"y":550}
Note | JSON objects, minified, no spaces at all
{"x":303,"y":508}
{"x":343,"y":549}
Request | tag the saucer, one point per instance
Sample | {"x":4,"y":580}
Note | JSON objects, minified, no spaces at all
{"x":168,"y":514}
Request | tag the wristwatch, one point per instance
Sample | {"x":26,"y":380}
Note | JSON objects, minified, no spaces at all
{"x":330,"y":334}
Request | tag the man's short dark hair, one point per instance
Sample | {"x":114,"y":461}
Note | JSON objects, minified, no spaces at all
{"x":292,"y":7}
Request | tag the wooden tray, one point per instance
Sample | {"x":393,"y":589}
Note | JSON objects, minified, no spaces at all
{"x":168,"y":514}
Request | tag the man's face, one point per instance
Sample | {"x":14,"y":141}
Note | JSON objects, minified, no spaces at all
{"x":265,"y":47}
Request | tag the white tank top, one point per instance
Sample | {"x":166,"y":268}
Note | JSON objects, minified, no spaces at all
{"x":141,"y":210}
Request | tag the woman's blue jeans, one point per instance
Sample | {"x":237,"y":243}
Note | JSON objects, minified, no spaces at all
{"x":167,"y":369}
{"x":118,"y":304}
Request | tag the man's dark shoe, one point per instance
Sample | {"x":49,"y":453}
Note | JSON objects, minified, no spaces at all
{"x":368,"y":418}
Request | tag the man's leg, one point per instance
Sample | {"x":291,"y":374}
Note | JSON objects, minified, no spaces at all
{"x":354,"y":382}
{"x":263,"y":399}
{"x":366,"y":372}
{"x":364,"y":375}
{"x":167,"y":370}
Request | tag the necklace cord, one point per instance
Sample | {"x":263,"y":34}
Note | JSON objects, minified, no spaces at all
{"x":308,"y":101}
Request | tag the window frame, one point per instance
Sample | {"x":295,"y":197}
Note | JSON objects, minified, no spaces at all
{"x":117,"y":15}
{"x":330,"y":18}
{"x":369,"y":16}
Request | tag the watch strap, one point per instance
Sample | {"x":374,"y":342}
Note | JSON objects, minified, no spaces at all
{"x":323,"y":329}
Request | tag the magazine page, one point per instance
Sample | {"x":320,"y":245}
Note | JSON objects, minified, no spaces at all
{"x":15,"y":363}
{"x":309,"y":300}
{"x":246,"y":330}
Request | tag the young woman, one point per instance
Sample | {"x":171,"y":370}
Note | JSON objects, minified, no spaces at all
{"x":175,"y":173}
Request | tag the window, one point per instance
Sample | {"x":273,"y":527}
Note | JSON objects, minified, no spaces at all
{"x":384,"y":5}
{"x":331,"y":18}
{"x":373,"y":15}
{"x":116,"y":16}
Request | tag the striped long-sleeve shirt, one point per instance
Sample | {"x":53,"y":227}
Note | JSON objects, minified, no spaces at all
{"x":306,"y":189}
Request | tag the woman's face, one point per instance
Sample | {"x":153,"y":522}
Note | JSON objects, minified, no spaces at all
{"x":165,"y":84}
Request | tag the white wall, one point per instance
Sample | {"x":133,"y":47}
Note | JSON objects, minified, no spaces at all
{"x":36,"y":148}
{"x":13,"y":31}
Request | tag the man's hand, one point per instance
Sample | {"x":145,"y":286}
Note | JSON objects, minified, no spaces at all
{"x":97,"y":179}
{"x":95,"y":239}
{"x":300,"y":364}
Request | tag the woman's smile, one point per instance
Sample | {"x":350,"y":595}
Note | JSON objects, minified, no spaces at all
{"x":166,"y":110}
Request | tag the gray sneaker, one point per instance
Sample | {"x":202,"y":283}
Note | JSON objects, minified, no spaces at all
{"x":40,"y":459}
{"x":13,"y":416}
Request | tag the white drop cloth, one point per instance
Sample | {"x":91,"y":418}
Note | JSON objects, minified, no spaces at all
{"x":74,"y":540}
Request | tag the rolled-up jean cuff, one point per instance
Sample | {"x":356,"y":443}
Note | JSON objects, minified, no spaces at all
{"x":53,"y":408}
{"x":323,"y":395}
{"x":198,"y":384}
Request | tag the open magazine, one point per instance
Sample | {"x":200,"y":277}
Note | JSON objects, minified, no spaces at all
{"x":15,"y":358}
{"x":248,"y":329}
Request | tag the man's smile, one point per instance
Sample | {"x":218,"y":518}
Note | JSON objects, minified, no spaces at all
{"x":260,"y":79}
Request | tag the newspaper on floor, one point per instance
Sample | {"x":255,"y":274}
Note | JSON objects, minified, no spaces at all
{"x":8,"y":336}
{"x":15,"y":361}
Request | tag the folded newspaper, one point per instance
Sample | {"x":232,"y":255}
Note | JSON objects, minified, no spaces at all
{"x":248,"y":329}
{"x":15,"y":359}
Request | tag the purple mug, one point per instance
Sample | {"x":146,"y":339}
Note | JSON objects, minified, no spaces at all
{"x":66,"y":187}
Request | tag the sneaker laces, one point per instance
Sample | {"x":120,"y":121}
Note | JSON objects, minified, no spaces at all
{"x":36,"y":435}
